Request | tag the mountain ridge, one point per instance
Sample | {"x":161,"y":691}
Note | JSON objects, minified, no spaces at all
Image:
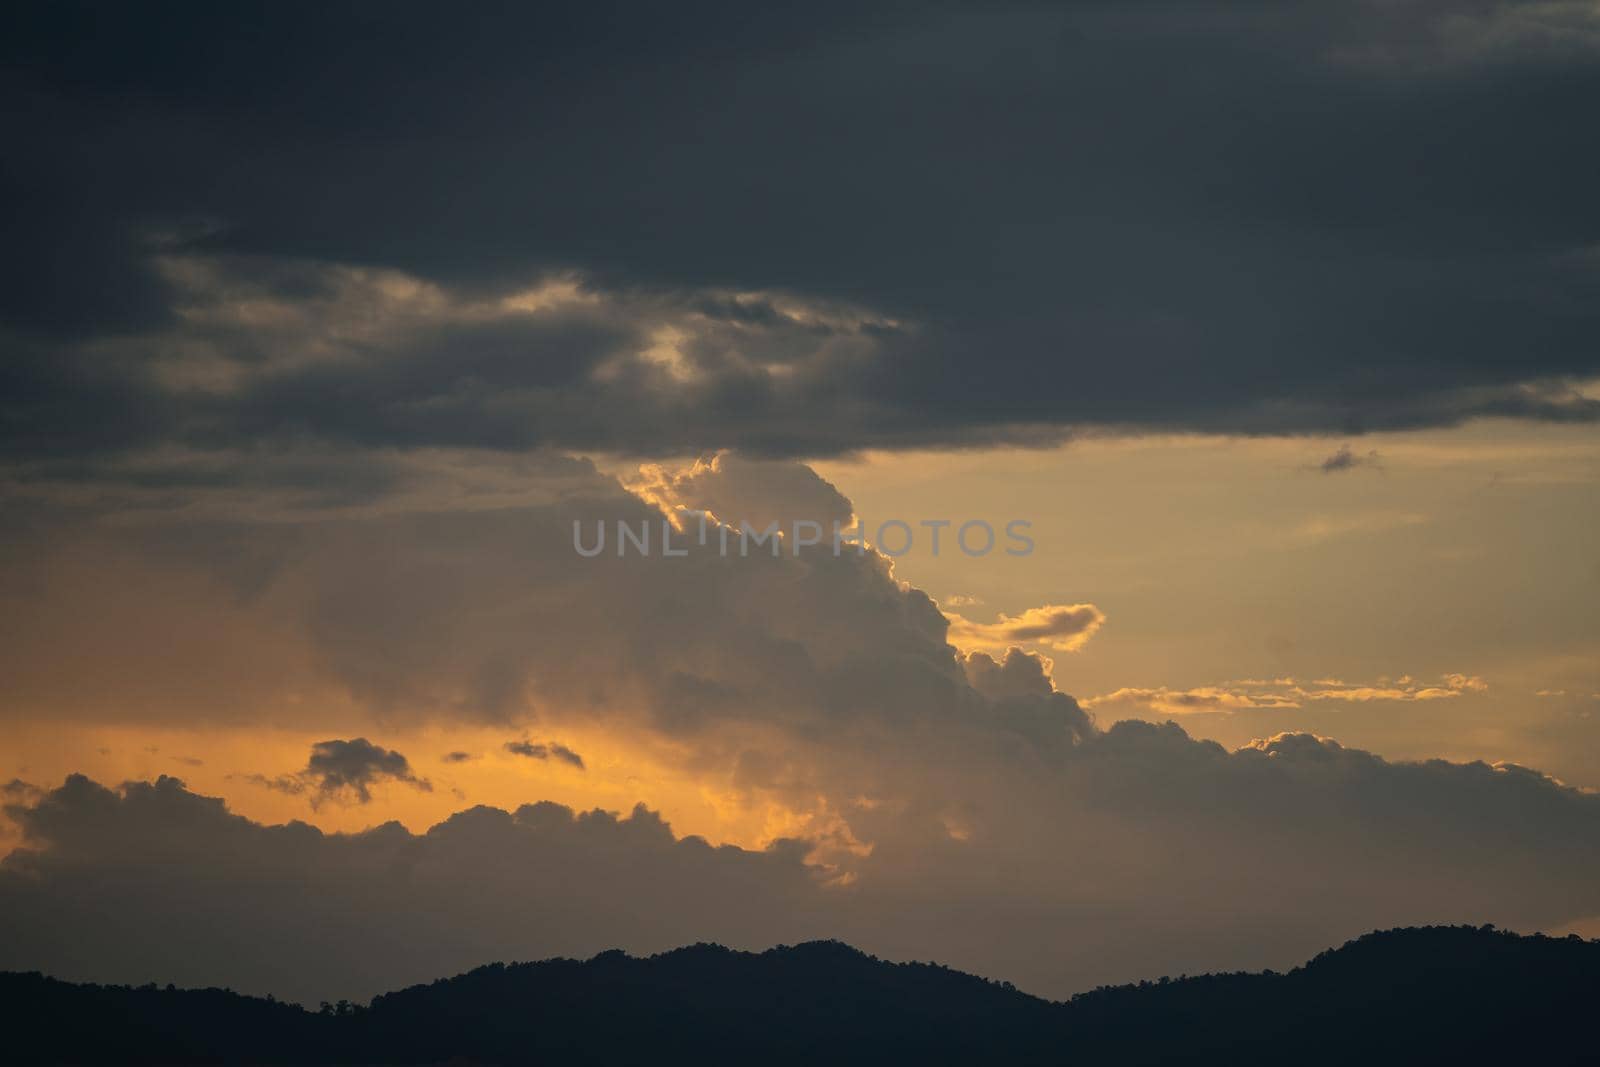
{"x":1412,"y":995}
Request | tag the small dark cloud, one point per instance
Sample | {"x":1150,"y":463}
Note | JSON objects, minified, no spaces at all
{"x":17,"y":789}
{"x":189,"y":761}
{"x":545,"y":750}
{"x":1344,"y":460}
{"x":344,"y":772}
{"x":457,"y":757}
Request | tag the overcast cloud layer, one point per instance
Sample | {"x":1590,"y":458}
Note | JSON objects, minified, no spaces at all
{"x":793,"y":232}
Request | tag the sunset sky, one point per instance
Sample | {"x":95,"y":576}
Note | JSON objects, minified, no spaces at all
{"x":1277,"y":326}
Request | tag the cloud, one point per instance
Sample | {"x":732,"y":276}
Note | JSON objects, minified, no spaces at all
{"x":1281,"y":693}
{"x":1344,"y":460}
{"x":479,"y":609}
{"x":1430,"y":40}
{"x":1064,"y":627}
{"x":544,"y":751}
{"x":458,"y":757}
{"x":344,"y":772}
{"x":951,"y":801}
{"x":324,"y":452}
{"x":737,"y":489}
{"x":1125,"y":852}
{"x":1403,"y":688}
{"x":1465,"y":682}
{"x":18,"y":790}
{"x":220,"y":899}
{"x":1186,"y":701}
{"x":1017,"y":674}
{"x":197,"y":302}
{"x":1324,"y":527}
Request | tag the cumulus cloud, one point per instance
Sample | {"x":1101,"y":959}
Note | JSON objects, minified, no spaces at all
{"x":735,"y":489}
{"x":1131,"y":851}
{"x":933,"y":781}
{"x":937,"y":789}
{"x":344,"y":772}
{"x":1017,"y":673}
{"x":1064,"y":627}
{"x":544,"y":751}
{"x":474,"y":612}
{"x":175,"y":884}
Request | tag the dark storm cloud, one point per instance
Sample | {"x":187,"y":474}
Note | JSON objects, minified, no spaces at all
{"x":1236,"y":217}
{"x":439,"y":385}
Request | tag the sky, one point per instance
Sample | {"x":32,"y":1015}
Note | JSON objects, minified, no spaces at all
{"x":1261,"y":339}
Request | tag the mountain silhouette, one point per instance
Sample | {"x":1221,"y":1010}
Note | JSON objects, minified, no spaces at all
{"x":1424,"y":995}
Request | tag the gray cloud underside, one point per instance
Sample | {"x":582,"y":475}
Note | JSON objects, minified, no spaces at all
{"x":1238,"y":217}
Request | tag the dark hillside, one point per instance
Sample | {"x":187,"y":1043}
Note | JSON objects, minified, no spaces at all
{"x":1439,"y":995}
